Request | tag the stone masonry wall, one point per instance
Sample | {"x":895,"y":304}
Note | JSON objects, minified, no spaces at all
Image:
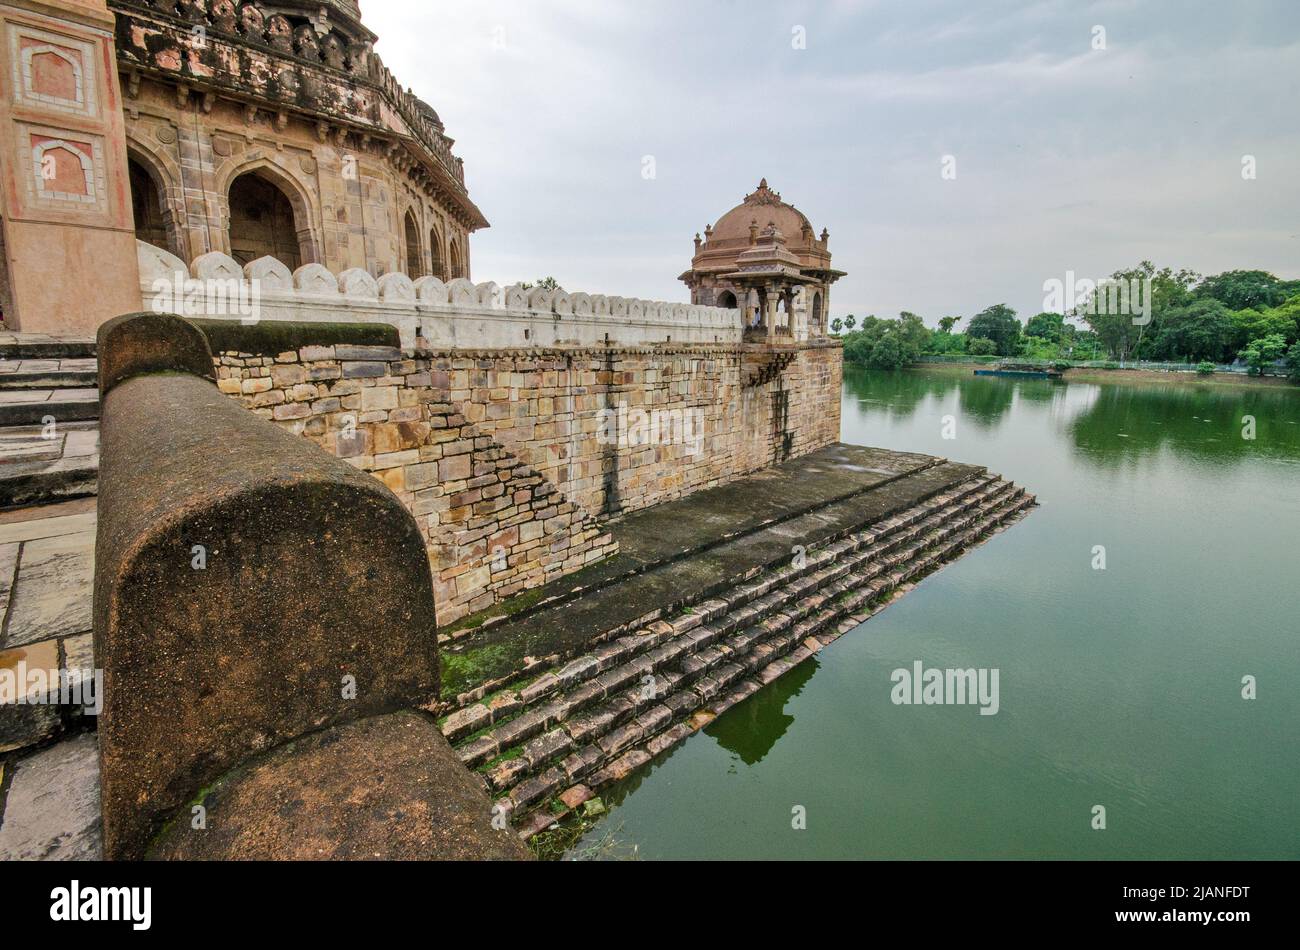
{"x":549,"y":409}
{"x":501,"y":456}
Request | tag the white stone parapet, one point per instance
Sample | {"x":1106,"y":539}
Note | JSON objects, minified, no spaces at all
{"x":455,"y":314}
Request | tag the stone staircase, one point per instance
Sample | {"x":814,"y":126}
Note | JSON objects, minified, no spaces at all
{"x":544,"y":747}
{"x":49,"y":411}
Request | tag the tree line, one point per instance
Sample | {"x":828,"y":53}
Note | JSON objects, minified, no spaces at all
{"x":1250,"y":316}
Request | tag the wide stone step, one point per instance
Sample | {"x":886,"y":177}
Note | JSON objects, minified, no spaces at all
{"x":37,"y":346}
{"x":820,"y":566}
{"x":25,"y":407}
{"x":80,"y":373}
{"x":673,"y":679}
{"x":36,"y":470}
{"x":634,"y":741}
{"x":526,"y":643}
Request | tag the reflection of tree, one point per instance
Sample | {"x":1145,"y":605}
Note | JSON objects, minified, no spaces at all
{"x":751,"y":728}
{"x":1039,"y":390}
{"x":898,"y":393}
{"x":986,"y":399}
{"x":1130,"y":423}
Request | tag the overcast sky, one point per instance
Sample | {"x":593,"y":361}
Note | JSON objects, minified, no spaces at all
{"x":1066,"y":157}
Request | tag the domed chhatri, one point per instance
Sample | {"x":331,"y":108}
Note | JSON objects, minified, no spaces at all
{"x":763,"y":257}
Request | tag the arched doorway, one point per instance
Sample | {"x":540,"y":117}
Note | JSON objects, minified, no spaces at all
{"x":815,"y":320}
{"x":727,"y":300}
{"x":147,"y":208}
{"x":262,"y":222}
{"x":454,"y":254}
{"x":414,"y":259}
{"x":435,"y":254}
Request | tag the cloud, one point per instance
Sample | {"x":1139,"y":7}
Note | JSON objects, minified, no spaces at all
{"x":1068,"y":158}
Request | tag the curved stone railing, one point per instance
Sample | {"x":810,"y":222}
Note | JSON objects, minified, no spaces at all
{"x":250,"y":589}
{"x":454,"y":314}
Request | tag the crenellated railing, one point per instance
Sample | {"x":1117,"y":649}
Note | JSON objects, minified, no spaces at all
{"x":428,"y":311}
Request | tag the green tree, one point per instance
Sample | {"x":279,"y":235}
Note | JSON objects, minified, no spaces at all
{"x":1046,"y":326}
{"x":837,"y":325}
{"x":546,"y":283}
{"x":1262,"y":353}
{"x":980,"y":346}
{"x":1293,"y":362}
{"x":1253,"y":324}
{"x":947,"y":323}
{"x":999,"y":324}
{"x":1117,"y":331}
{"x":887,"y":353}
{"x":1205,"y":330}
{"x":914,"y":335}
{"x":850,"y":321}
{"x":1243,"y":289}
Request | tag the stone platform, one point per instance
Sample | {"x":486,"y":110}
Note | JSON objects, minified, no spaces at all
{"x":49,"y":769}
{"x":715,"y":596}
{"x":46,"y":379}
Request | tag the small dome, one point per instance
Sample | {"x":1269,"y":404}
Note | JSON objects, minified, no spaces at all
{"x":427,"y":111}
{"x":762,"y":207}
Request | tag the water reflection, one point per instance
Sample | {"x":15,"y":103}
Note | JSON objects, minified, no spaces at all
{"x":1108,"y":425}
{"x":1126,"y":423}
{"x":750,"y":729}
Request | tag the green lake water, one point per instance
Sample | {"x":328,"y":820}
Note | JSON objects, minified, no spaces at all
{"x":1119,"y":687}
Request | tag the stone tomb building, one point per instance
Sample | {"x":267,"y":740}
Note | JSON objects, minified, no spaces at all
{"x":249,"y":129}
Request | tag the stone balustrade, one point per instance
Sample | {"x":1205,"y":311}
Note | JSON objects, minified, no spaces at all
{"x":452,"y":315}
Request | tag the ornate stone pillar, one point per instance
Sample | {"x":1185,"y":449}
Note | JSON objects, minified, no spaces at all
{"x":770,"y":312}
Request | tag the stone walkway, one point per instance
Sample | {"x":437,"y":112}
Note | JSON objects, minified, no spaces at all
{"x":49,"y":404}
{"x":39,"y":465}
{"x":16,"y":345}
{"x":49,"y":798}
{"x":48,"y":373}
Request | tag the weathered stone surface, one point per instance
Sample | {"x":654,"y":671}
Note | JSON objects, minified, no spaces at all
{"x":386,"y":787}
{"x":576,"y":795}
{"x":537,"y":788}
{"x":547,"y":746}
{"x":137,"y":343}
{"x":52,"y":594}
{"x":36,"y":718}
{"x":52,"y":810}
{"x":507,"y":772}
{"x":313,"y":605}
{"x":464,"y":721}
{"x":8,"y":566}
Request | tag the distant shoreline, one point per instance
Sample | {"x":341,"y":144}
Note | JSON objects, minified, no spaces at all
{"x":1085,"y":374}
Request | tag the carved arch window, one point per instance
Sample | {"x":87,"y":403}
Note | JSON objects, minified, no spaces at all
{"x":414,"y":253}
{"x":436,"y":256}
{"x":455,"y":262}
{"x":150,"y":206}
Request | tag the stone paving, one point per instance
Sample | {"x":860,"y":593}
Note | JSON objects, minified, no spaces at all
{"x":47,"y":373}
{"x":46,"y":567}
{"x":47,"y":379}
{"x":49,"y":793}
{"x":10,"y":397}
{"x":39,"y":465}
{"x":51,"y":804}
{"x":17,"y":345}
